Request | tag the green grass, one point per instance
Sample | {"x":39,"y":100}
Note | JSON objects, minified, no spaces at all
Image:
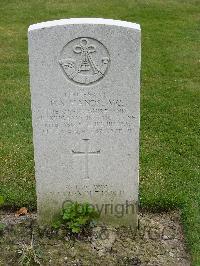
{"x":170,"y":99}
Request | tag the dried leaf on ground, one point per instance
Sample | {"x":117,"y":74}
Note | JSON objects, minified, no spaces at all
{"x":21,"y":211}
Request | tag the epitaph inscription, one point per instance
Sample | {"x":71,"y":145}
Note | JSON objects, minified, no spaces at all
{"x":84,"y":60}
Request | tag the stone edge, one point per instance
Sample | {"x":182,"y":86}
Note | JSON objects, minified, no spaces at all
{"x":74,"y":21}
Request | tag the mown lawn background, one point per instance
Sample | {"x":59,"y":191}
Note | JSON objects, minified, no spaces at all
{"x":170,"y":99}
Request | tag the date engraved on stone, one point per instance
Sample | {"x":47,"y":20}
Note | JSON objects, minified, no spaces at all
{"x":84,"y":60}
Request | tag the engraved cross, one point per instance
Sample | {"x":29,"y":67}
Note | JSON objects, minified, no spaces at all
{"x":86,"y":154}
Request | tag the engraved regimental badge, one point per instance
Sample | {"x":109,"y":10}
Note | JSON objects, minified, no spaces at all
{"x":84,"y":60}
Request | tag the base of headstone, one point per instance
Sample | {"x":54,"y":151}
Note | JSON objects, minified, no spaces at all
{"x":116,"y":214}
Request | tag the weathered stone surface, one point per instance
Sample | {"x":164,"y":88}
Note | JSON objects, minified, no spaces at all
{"x":85,"y":91}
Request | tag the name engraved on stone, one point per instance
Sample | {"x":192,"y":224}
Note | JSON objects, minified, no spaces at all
{"x":86,"y":154}
{"x":84,"y":60}
{"x":76,"y":111}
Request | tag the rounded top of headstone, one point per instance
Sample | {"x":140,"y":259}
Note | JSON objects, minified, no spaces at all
{"x":74,"y":21}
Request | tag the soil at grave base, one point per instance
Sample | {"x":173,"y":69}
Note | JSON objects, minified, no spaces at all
{"x":159,"y":241}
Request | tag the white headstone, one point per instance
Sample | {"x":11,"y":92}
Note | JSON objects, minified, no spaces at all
{"x":85,"y":91}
